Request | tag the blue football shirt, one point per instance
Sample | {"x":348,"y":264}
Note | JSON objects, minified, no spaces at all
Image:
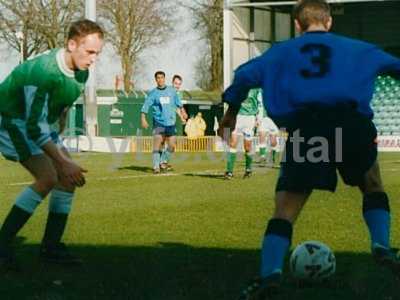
{"x":317,"y":67}
{"x":163,"y":102}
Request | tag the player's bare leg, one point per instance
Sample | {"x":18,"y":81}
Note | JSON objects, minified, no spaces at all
{"x":263,"y":147}
{"x":170,"y":149}
{"x":45,"y":178}
{"x":276,"y":242}
{"x":52,"y":249}
{"x":288,"y":205}
{"x":158,"y":140}
{"x":273,"y":142}
{"x":163,"y":146}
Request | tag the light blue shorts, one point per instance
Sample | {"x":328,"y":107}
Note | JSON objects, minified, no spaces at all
{"x":14,"y":141}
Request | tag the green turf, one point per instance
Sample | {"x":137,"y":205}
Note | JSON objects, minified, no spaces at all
{"x":190,"y":235}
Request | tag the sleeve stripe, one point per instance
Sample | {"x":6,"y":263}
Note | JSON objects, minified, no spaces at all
{"x":37,"y":114}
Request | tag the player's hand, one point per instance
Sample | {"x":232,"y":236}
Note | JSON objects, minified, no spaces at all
{"x":184,"y":114}
{"x":145,"y":124}
{"x":228,"y":123}
{"x":73,"y":173}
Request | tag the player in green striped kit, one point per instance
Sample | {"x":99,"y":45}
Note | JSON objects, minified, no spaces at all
{"x":268,"y":133}
{"x":34,"y":97}
{"x":245,"y":124}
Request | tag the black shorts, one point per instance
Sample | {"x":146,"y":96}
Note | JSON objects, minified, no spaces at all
{"x":322,"y":140}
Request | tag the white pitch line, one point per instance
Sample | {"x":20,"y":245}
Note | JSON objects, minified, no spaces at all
{"x":205,"y":172}
{"x":132,"y":176}
{"x":136,"y":176}
{"x":390,"y":162}
{"x":19,"y":183}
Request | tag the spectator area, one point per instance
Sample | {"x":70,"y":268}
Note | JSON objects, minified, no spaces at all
{"x":386,"y":106}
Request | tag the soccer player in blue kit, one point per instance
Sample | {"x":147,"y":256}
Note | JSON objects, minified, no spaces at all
{"x":166,"y":154}
{"x":316,"y":86}
{"x":165,"y":104}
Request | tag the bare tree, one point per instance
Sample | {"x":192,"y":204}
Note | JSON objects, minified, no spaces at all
{"x":202,"y":71}
{"x":132,"y":26}
{"x":53,"y":18}
{"x":16,"y":17}
{"x":208,"y":20}
{"x":36,"y":25}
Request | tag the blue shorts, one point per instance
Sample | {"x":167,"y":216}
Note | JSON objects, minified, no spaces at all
{"x":159,"y":129}
{"x":15,"y":144}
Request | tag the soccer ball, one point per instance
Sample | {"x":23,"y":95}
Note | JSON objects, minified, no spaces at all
{"x":312,"y":261}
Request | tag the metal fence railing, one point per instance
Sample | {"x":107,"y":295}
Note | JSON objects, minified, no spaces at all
{"x":144,"y":144}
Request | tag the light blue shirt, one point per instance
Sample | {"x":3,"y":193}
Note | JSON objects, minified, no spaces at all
{"x":164,"y":103}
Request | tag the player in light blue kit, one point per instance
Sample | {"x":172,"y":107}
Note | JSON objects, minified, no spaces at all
{"x":165,"y":154}
{"x":165,"y":104}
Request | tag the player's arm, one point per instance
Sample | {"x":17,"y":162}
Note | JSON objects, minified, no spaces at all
{"x":182,"y":114}
{"x":63,"y":120}
{"x":180,"y":110}
{"x":386,"y":63}
{"x":39,"y":131}
{"x":69,"y":169}
{"x":37,"y":126}
{"x":260,"y":109}
{"x":258,"y":120}
{"x":145,"y":110}
{"x":247,"y":76}
{"x":143,"y":121}
{"x":228,"y":122}
{"x":258,"y":117}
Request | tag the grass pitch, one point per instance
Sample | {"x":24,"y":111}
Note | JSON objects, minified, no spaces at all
{"x":190,"y":234}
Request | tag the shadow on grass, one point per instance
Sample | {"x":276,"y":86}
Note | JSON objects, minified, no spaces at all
{"x":256,"y":171}
{"x":143,"y":169}
{"x":206,"y":175}
{"x":173,"y":271}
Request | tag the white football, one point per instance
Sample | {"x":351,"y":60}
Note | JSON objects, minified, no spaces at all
{"x":312,"y":260}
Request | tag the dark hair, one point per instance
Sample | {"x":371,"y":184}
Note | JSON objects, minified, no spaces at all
{"x":176,"y":76}
{"x":84,"y":27}
{"x":159,"y":73}
{"x":308,"y":12}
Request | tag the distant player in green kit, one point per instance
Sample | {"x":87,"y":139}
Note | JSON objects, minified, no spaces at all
{"x":35,"y":96}
{"x":268,"y":133}
{"x":245,"y":124}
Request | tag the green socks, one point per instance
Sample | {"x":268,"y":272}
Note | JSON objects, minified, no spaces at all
{"x":263,"y":151}
{"x":249,"y":161}
{"x":273,"y":154}
{"x":231,"y":160}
